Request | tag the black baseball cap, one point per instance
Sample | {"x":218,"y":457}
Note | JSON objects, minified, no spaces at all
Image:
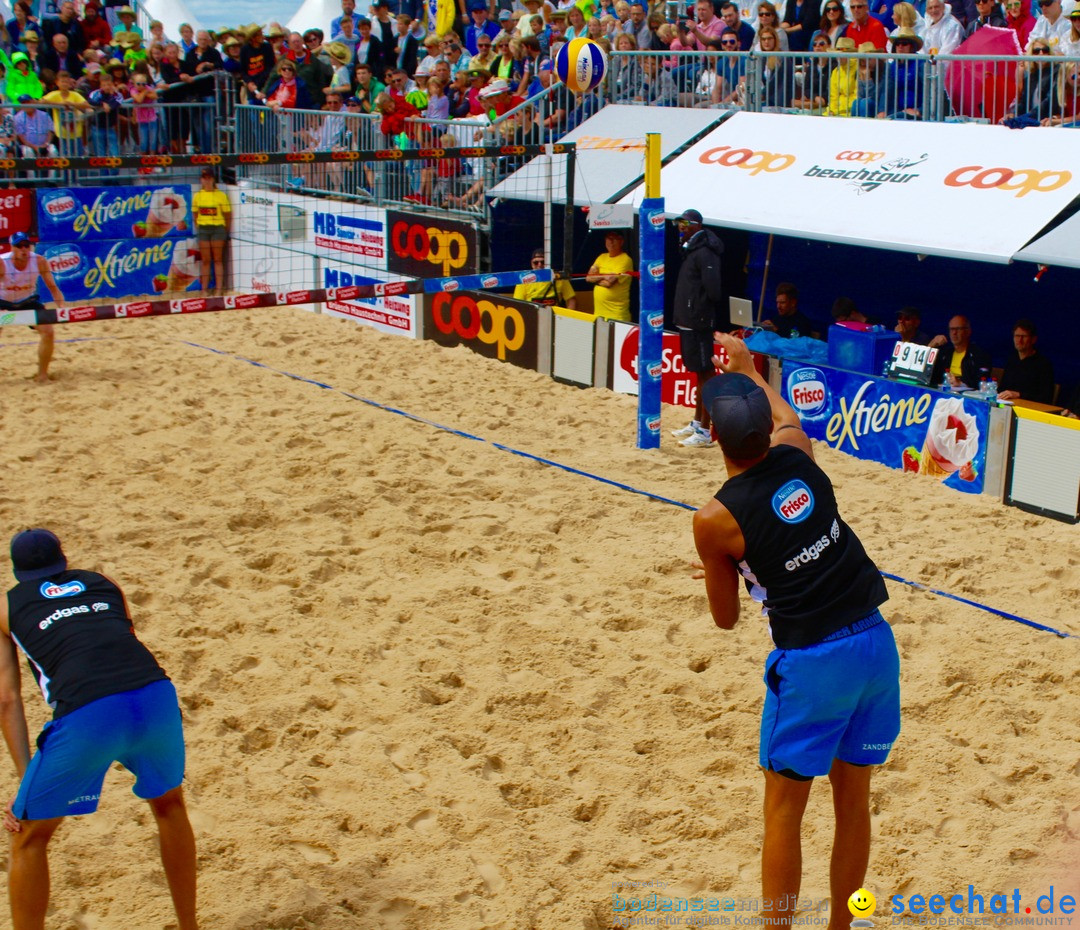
{"x":36,"y":554}
{"x":741,"y":415}
{"x":691,"y":216}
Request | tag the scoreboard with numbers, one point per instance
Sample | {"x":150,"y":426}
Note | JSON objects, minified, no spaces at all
{"x":911,"y":362}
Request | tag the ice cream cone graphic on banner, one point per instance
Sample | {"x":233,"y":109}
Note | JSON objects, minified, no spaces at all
{"x":952,"y":439}
{"x":185,"y":265}
{"x":167,"y":209}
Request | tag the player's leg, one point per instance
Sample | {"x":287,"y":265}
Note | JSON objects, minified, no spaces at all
{"x":28,"y":873}
{"x":177,"y":841}
{"x":851,"y":841}
{"x":781,"y":851}
{"x":46,"y":343}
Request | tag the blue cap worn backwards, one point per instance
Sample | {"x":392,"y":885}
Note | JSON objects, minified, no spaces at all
{"x":36,"y":554}
{"x":741,"y":415}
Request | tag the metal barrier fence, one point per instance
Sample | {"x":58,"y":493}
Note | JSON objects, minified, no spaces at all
{"x":48,"y":130}
{"x":984,"y":88}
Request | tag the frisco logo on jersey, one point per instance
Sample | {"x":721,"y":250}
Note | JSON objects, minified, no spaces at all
{"x":794,"y":502}
{"x":808,"y":393}
{"x":70,"y":589}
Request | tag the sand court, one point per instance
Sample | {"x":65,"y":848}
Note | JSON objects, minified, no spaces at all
{"x":429,"y":682}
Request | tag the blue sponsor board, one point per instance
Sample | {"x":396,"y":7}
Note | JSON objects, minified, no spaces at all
{"x":83,"y":214}
{"x":940,"y":435}
{"x":121,"y":268}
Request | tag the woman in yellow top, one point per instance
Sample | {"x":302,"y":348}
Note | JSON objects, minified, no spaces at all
{"x":844,"y":81}
{"x":212,"y":213}
{"x":611,"y":296}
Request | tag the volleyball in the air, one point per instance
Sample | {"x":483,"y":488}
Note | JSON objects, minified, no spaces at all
{"x":581,"y":65}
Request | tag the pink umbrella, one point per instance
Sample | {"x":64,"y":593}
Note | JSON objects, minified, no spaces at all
{"x":984,"y":88}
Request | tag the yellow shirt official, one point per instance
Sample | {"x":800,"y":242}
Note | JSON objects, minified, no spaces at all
{"x":613,"y":303}
{"x":546,"y":292}
{"x":209,"y":208}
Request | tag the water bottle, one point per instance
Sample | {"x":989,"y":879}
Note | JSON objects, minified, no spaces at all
{"x":982,"y":386}
{"x":946,"y":384}
{"x":991,"y":389}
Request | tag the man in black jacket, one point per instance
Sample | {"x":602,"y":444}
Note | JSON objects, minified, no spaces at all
{"x":697,"y":293}
{"x":965,"y":363}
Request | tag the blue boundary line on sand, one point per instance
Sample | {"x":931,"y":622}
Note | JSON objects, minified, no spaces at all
{"x":608,"y":481}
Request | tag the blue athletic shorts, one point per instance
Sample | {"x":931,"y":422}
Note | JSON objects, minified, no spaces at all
{"x":140,"y":729}
{"x":838,"y":699}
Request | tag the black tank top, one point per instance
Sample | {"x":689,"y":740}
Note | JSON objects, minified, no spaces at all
{"x":802,"y":561}
{"x":78,"y":640}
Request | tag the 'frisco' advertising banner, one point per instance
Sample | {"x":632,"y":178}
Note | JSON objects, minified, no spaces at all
{"x":83,"y":214}
{"x":942,"y":436}
{"x":121,"y":268}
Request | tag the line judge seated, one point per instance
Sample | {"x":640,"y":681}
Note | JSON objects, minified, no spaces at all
{"x":555,"y":293}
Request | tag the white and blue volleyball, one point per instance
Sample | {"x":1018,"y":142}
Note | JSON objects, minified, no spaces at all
{"x":581,"y":65}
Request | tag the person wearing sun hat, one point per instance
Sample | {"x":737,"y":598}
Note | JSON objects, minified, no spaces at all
{"x":832,"y":697}
{"x":111,"y":701}
{"x":904,"y":76}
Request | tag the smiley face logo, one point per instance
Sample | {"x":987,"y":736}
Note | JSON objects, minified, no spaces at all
{"x":861,"y":903}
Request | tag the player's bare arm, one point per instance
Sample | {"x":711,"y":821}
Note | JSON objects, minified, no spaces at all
{"x":50,"y":281}
{"x":720,"y":546}
{"x":12,"y":715}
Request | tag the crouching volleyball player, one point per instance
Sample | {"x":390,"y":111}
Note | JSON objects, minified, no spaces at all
{"x":112,"y":702}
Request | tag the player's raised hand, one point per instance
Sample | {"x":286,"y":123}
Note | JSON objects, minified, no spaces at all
{"x":739,"y":359}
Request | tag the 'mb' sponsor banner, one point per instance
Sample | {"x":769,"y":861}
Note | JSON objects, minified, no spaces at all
{"x":424,"y":247}
{"x":489,"y":324}
{"x":389,"y":313}
{"x":942,"y":436}
{"x":83,"y":214}
{"x":121,"y":268}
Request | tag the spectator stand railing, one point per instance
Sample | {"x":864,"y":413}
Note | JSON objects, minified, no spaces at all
{"x":942,"y":88}
{"x":141,"y":129}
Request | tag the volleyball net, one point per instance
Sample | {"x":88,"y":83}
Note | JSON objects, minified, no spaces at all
{"x":130,"y":248}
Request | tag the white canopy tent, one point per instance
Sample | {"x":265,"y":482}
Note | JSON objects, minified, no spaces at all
{"x":171,"y":13}
{"x":970,"y":191}
{"x":315,"y":14}
{"x":1060,"y":246}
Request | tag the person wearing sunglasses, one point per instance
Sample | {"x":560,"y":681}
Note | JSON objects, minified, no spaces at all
{"x":942,"y":31}
{"x":286,"y":91}
{"x":767,"y":16}
{"x":988,"y":14}
{"x":1019,"y":19}
{"x":833,"y":21}
{"x":904,"y":77}
{"x":813,"y":93}
{"x":557,"y":292}
{"x":729,"y":86}
{"x":864,"y":28}
{"x":1051,"y":26}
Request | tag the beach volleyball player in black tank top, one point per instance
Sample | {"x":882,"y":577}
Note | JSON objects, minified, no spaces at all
{"x":832,"y":698}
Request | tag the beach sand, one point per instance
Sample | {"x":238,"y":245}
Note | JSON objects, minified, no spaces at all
{"x":430,"y":683}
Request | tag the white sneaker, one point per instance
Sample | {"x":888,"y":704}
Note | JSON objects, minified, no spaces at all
{"x":699,"y":438}
{"x":687,"y":430}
